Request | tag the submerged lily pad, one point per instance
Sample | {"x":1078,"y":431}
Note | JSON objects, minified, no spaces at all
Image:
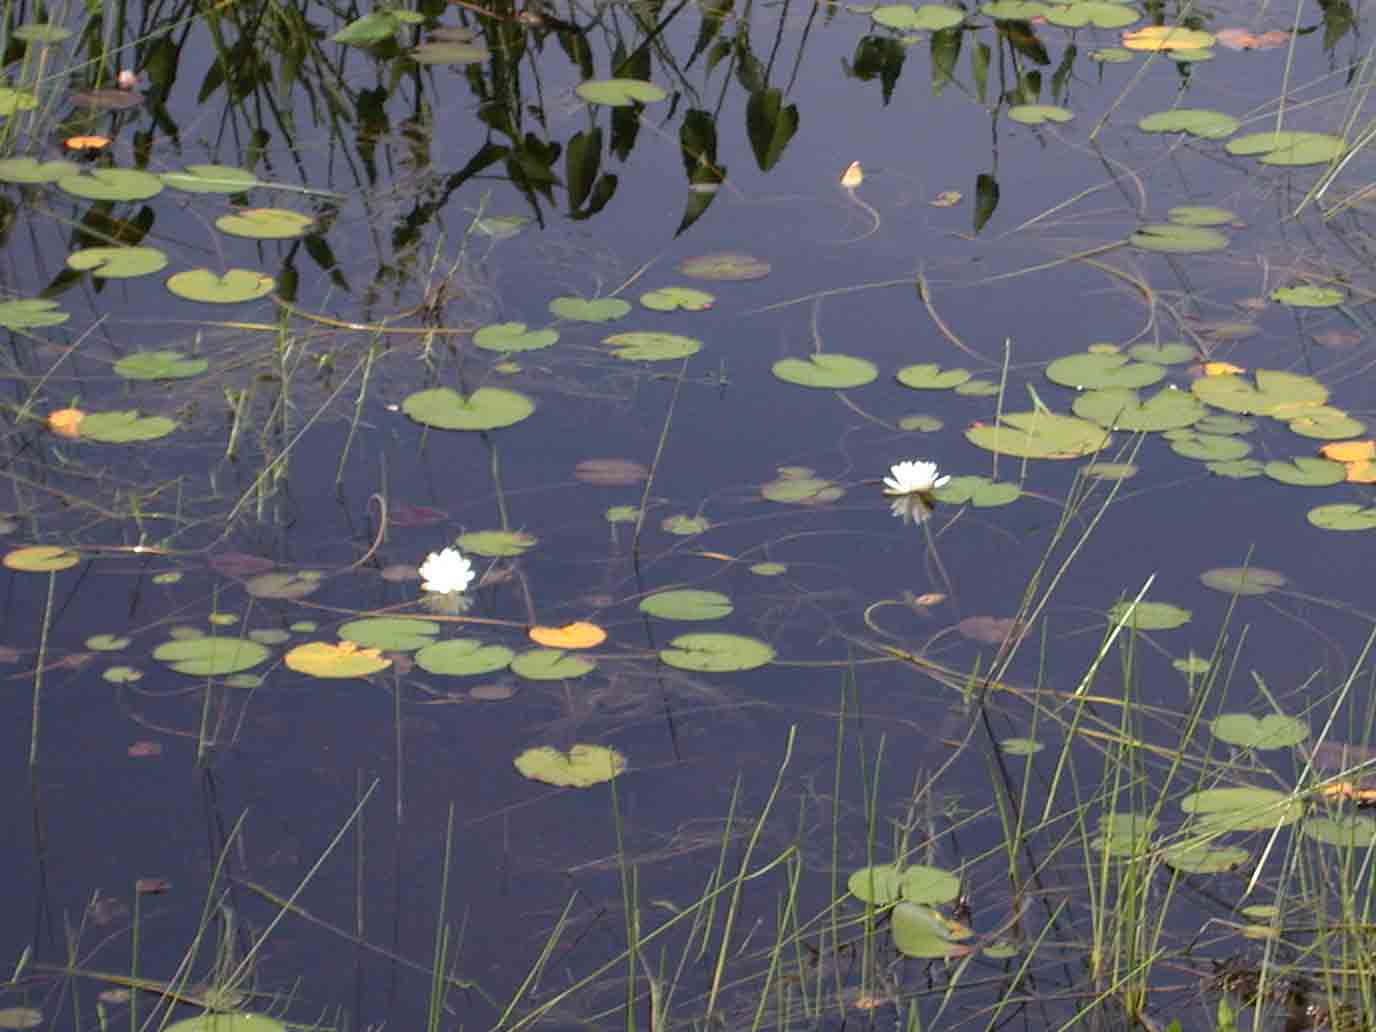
{"x":726,"y":266}
{"x":1039,"y":435}
{"x":160,"y":365}
{"x":463,"y":657}
{"x":111,"y":184}
{"x":497,"y":543}
{"x":620,"y":92}
{"x":211,"y":179}
{"x":117,"y":262}
{"x":668,"y":299}
{"x":509,"y":337}
{"x":1149,"y":616}
{"x":927,"y":18}
{"x":716,"y":652}
{"x":579,"y":309}
{"x":581,"y":767}
{"x":928,"y":376}
{"x":1173,"y":238}
{"x":215,"y":288}
{"x":1201,"y":122}
{"x":211,"y":657}
{"x":1288,"y":148}
{"x":1273,"y":731}
{"x":687,"y":604}
{"x":1036,"y":114}
{"x":487,"y":408}
{"x":124,"y":427}
{"x":265,"y":223}
{"x":648,"y":346}
{"x":1096,"y":370}
{"x":828,"y":370}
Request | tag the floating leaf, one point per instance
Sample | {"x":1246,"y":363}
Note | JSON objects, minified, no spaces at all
{"x":920,"y":424}
{"x":1241,"y":809}
{"x":1201,"y":858}
{"x":31,"y":313}
{"x":668,"y":299}
{"x":1243,"y":39}
{"x":1349,"y":451}
{"x":1275,"y":393}
{"x":443,"y":52}
{"x":1149,"y":616}
{"x":1120,"y":409}
{"x":919,"y":931}
{"x":1109,"y":470}
{"x":111,"y":184}
{"x":1307,"y":472}
{"x":1192,"y":665}
{"x":551,"y":665}
{"x":724,"y":267}
{"x":1020,"y":746}
{"x":1173,"y":353}
{"x":1209,"y":447}
{"x":122,"y":674}
{"x":283,"y":585}
{"x":371,"y":29}
{"x":768,"y":569}
{"x":648,"y":346}
{"x":1348,"y":831}
{"x":687,"y":604}
{"x":619,"y":92}
{"x":511,"y":337}
{"x":578,"y":309}
{"x":1092,"y":370}
{"x":716,"y":652}
{"x":160,"y":365}
{"x":1036,"y":114}
{"x":1015,"y":10}
{"x":390,"y":633}
{"x":1288,"y":148}
{"x":801,"y":490}
{"x":13,"y":101}
{"x":1167,"y":37}
{"x":828,"y":370}
{"x":1242,"y":580}
{"x":880,"y":884}
{"x":117,"y":262}
{"x":41,"y":559}
{"x":924,"y":884}
{"x":685,"y":526}
{"x":1124,"y":834}
{"x":1111,"y":55}
{"x":1307,"y":296}
{"x":1201,"y":122}
{"x":927,"y":18}
{"x":221,"y":1022}
{"x":981,"y":492}
{"x":265,"y":223}
{"x":124,"y":427}
{"x":487,"y":408}
{"x":210,"y":657}
{"x":622,"y":514}
{"x":1039,"y":435}
{"x":1099,"y":13}
{"x":1273,"y":731}
{"x":460,"y":657}
{"x":31,"y":170}
{"x":497,"y":543}
{"x":211,"y":179}
{"x":978,"y":388}
{"x":331,"y":660}
{"x":1200,"y":215}
{"x":1345,"y":516}
{"x":1325,"y":424}
{"x":1173,"y":238}
{"x":929,"y":376}
{"x":577,"y":635}
{"x":581,"y":767}
{"x":213,"y":288}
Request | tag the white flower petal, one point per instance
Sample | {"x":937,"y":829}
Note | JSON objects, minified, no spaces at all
{"x":446,"y":571}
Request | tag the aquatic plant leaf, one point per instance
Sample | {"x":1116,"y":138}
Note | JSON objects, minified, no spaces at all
{"x":1109,"y":470}
{"x":1173,"y":238}
{"x":487,"y":408}
{"x":827,"y":370}
{"x":284,"y":585}
{"x":581,"y":767}
{"x":265,"y":223}
{"x":448,"y":52}
{"x":1308,"y":296}
{"x":1200,"y":215}
{"x":684,"y":525}
{"x":18,"y":1018}
{"x":669,"y":299}
{"x":462,"y":657}
{"x":1288,"y":148}
{"x":269,"y":635}
{"x":111,"y":184}
{"x":790,"y":490}
{"x":770,"y":125}
{"x":1015,"y":10}
{"x":210,"y":657}
{"x":1111,"y":55}
{"x":117,"y":262}
{"x":501,"y":227}
{"x":160,"y":365}
{"x":1020,"y":746}
{"x":1348,"y":831}
{"x":1168,"y":38}
{"x":211,"y":179}
{"x":1242,"y":580}
{"x":1149,"y":616}
{"x":1036,"y":114}
{"x":108,"y":643}
{"x":920,"y":931}
{"x":986,"y":196}
{"x":30,"y":313}
{"x":578,"y":309}
{"x":1306,"y":472}
{"x":687,"y":604}
{"x":581,"y":634}
{"x":622,"y":514}
{"x":1228,"y":426}
{"x":213,"y":288}
{"x":12,"y":101}
{"x":650,"y":346}
{"x":927,"y":18}
{"x":369,"y":30}
{"x":620,"y":92}
{"x":1208,"y":447}
{"x":390,"y":633}
{"x":981,"y":492}
{"x":1192,"y":664}
{"x":725,"y":266}
{"x":124,"y":427}
{"x":1241,"y":809}
{"x":929,"y":376}
{"x":1101,"y":14}
{"x":40,"y":559}
{"x":1273,"y":731}
{"x":42,"y":32}
{"x":330,"y":660}
{"x":122,"y":674}
{"x":497,"y":543}
{"x":1325,"y":424}
{"x":31,"y":170}
{"x":1202,"y":858}
{"x":1201,"y":122}
{"x":1124,"y":834}
{"x":551,"y":665}
{"x":510,"y":337}
{"x":714,"y":653}
{"x":920,"y":424}
{"x":1274,"y":393}
{"x":880,"y":884}
{"x":768,"y":569}
{"x":1343,"y":516}
{"x":923,"y":884}
{"x":1039,"y":435}
{"x":1119,"y":408}
{"x":1094,"y":370}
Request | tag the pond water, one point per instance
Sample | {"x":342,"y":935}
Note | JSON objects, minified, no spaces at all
{"x":637,"y":306}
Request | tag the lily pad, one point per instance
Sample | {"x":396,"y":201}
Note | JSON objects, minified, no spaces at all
{"x":924,"y":884}
{"x":551,"y":665}
{"x":1039,"y":435}
{"x":215,"y":288}
{"x":30,"y":313}
{"x":806,"y":490}
{"x":1307,"y":296}
{"x":1242,"y":580}
{"x":1167,"y":38}
{"x":684,"y":525}
{"x":487,"y":408}
{"x":1275,"y":393}
{"x":1149,"y":616}
{"x":1349,"y":830}
{"x":880,"y":884}
{"x":1015,"y":10}
{"x":829,"y":371}
{"x":1109,"y":470}
{"x":578,"y":309}
{"x":42,"y":32}
{"x":978,"y":388}
{"x":335,"y":660}
{"x":1173,"y":238}
{"x":1200,"y":215}
{"x":1101,"y":14}
{"x":124,"y":427}
{"x":581,"y":767}
{"x":927,"y":18}
{"x":211,"y":179}
{"x":32,"y":170}
{"x":1202,"y":858}
{"x":1036,"y":114}
{"x":390,"y":633}
{"x":511,"y":337}
{"x":620,"y":92}
{"x":497,"y":543}
{"x":117,"y":262}
{"x":1124,"y":834}
{"x":1201,"y":122}
{"x":13,"y":101}
{"x":1119,"y":408}
{"x":1096,"y":370}
{"x":687,"y":604}
{"x":923,"y":932}
{"x":40,"y":559}
{"x":1173,"y":353}
{"x":265,"y":223}
{"x":716,"y":652}
{"x":1343,"y":516}
{"x":669,"y":299}
{"x":111,"y":184}
{"x":108,"y":643}
{"x":928,"y":376}
{"x":1241,"y":809}
{"x":462,"y":657}
{"x":1273,"y":731}
{"x":1209,"y":447}
{"x":1288,"y":148}
{"x":725,"y":266}
{"x":1307,"y":472}
{"x":284,"y":584}
{"x":981,"y":492}
{"x":1111,"y":55}
{"x":211,"y":657}
{"x":160,"y":365}
{"x":649,"y":346}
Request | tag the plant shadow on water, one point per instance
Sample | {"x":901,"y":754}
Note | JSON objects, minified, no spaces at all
{"x":709,"y":722}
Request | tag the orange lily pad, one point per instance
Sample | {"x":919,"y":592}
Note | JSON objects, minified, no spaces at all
{"x":1349,"y":451}
{"x":340,"y":659}
{"x":577,"y":635}
{"x":66,"y":422}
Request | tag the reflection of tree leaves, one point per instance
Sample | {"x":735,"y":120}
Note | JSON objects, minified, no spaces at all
{"x":749,"y":72}
{"x":713,"y":15}
{"x":945,"y":53}
{"x":530,"y":166}
{"x":878,"y":57}
{"x":986,"y":198}
{"x":770,"y":126}
{"x":1061,"y":76}
{"x":1022,"y":39}
{"x":979,"y":69}
{"x":625,"y":128}
{"x":697,"y":138}
{"x":582,"y":162}
{"x":601,"y":194}
{"x":1337,"y":21}
{"x":575,"y":44}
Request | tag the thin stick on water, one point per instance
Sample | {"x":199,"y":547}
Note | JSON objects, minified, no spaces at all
{"x":654,"y":465}
{"x":38,"y":674}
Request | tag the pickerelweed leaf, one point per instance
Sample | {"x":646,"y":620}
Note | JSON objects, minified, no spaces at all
{"x":160,"y":365}
{"x":510,"y":337}
{"x":487,"y":408}
{"x":827,"y":370}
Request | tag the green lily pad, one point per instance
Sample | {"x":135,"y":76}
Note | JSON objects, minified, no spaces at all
{"x":1348,"y":831}
{"x":1273,"y":731}
{"x":1124,"y":834}
{"x":687,"y":604}
{"x":1229,"y":426}
{"x":13,"y":101}
{"x":725,"y":266}
{"x":1111,"y":55}
{"x":1096,"y":370}
{"x":269,"y":635}
{"x":928,"y":376}
{"x":768,"y":569}
{"x":448,"y":52}
{"x":214,"y":288}
{"x":221,"y":1022}
{"x":1174,"y":353}
{"x":581,"y":767}
{"x":1119,"y":408}
{"x":510,"y":337}
{"x":1209,"y":447}
{"x":265,"y":223}
{"x":30,"y":313}
{"x":880,"y":884}
{"x":1172,"y":238}
{"x":160,"y":365}
{"x":124,"y":427}
{"x":375,"y":27}
{"x":1288,"y":148}
{"x":649,"y":346}
{"x":335,"y":661}
{"x":122,"y":674}
{"x":622,"y":514}
{"x":1149,"y":616}
{"x":211,"y":657}
{"x":1242,"y":580}
{"x":108,"y":643}
{"x":41,"y":559}
{"x":1040,"y":435}
{"x":1192,"y":665}
{"x":620,"y":92}
{"x":828,"y":371}
{"x":1015,"y":10}
{"x":497,"y":543}
{"x":31,"y":170}
{"x":920,"y":931}
{"x":1200,"y":215}
{"x":1238,"y":469}
{"x":1109,"y":470}
{"x":1201,"y":122}
{"x":390,"y":633}
{"x":1036,"y":114}
{"x":551,"y":665}
{"x":978,"y":388}
{"x":1189,"y":55}
{"x":716,"y":652}
{"x":487,"y":408}
{"x":1307,"y":472}
{"x":1201,"y":858}
{"x":463,"y":657}
{"x":981,"y":492}
{"x":117,"y":262}
{"x":927,"y":18}
{"x":669,"y":299}
{"x":1101,"y":14}
{"x":578,"y":309}
{"x":1275,"y":393}
{"x":684,"y":525}
{"x":1020,"y":746}
{"x":920,"y":424}
{"x":1307,"y":296}
{"x":211,"y":179}
{"x":924,"y":884}
{"x":1343,"y":516}
{"x":284,"y":584}
{"x":791,"y":488}
{"x":1325,"y":424}
{"x":111,"y":184}
{"x":1241,"y":809}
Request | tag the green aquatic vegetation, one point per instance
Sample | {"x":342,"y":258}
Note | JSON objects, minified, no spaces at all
{"x":27,"y":169}
{"x":160,"y":365}
{"x":391,"y":633}
{"x":1101,"y":14}
{"x":496,"y":543}
{"x":229,"y":287}
{"x":111,"y":184}
{"x":1309,"y":296}
{"x":1040,"y":434}
{"x":31,"y":313}
{"x":1149,"y":616}
{"x":930,"y":376}
{"x":117,"y":262}
{"x":487,"y":408}
{"x":127,"y":427}
{"x":211,"y":657}
{"x":41,"y":559}
{"x":1097,"y":370}
{"x":512,"y":337}
{"x":1038,"y":114}
{"x":581,"y":767}
{"x":926,"y":18}
{"x":669,"y":299}
{"x":650,"y":346}
{"x":1343,"y":516}
{"x":1174,"y":238}
{"x":265,"y":223}
{"x":827,"y":371}
{"x":577,"y":309}
{"x":725,"y":266}
{"x":1119,"y":408}
{"x":1273,"y":731}
{"x":1201,"y":122}
{"x":463,"y":657}
{"x":716,"y":653}
{"x":687,"y":604}
{"x":1288,"y":148}
{"x":211,"y":179}
{"x":620,"y":92}
{"x":551,"y":665}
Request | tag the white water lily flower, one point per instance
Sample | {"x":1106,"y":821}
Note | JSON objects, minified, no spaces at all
{"x":913,"y":478}
{"x":446,"y":572}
